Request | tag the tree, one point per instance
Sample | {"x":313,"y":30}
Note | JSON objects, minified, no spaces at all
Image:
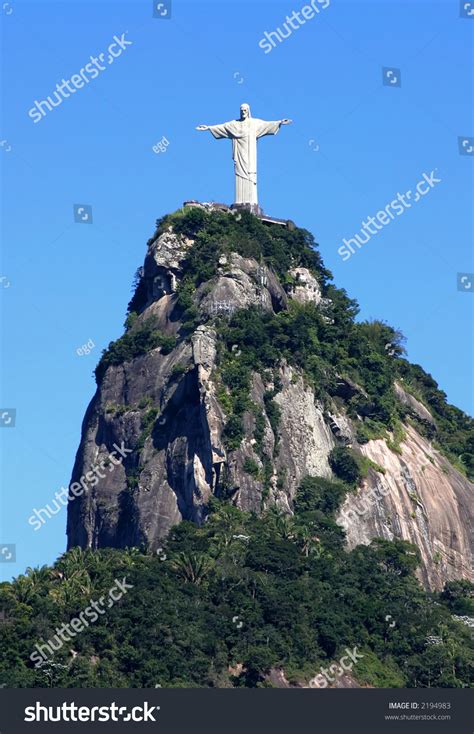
{"x":344,"y":465}
{"x":192,"y":567}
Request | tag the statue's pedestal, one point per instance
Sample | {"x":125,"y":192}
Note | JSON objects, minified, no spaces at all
{"x":252,"y":208}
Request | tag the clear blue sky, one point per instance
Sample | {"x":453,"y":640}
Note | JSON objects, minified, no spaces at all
{"x":70,"y":282}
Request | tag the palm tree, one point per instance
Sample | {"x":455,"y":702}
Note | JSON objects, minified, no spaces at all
{"x":192,"y":567}
{"x":39,"y":576}
{"x":72,"y":568}
{"x":310,"y":543}
{"x":98,"y":561}
{"x":70,"y":592}
{"x":285,"y":526}
{"x":24,"y":587}
{"x":131,"y":556}
{"x":227,"y":522}
{"x":71,"y":563}
{"x":23,"y":590}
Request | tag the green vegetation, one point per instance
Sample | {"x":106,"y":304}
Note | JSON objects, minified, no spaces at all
{"x":301,"y":597}
{"x":351,"y":466}
{"x":370,"y":430}
{"x":398,"y":435}
{"x":459,"y":597}
{"x":145,"y":402}
{"x":273,"y":412}
{"x":131,"y":320}
{"x":382,"y":674}
{"x":219,"y":234}
{"x":365,"y":464}
{"x":140,"y":295}
{"x":133,"y":479}
{"x":233,"y":432}
{"x":116,"y":410}
{"x":251,"y":467}
{"x":147,"y":423}
{"x":259,"y":430}
{"x":321,"y":495}
{"x":344,"y":464}
{"x":138,"y":340}
{"x":234,"y":395}
{"x":178,"y":369}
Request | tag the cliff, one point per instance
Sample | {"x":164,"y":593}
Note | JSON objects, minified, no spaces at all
{"x":241,"y":373}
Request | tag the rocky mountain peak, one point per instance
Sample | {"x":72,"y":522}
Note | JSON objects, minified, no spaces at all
{"x":242,"y":373}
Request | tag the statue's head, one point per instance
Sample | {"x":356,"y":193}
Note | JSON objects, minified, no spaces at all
{"x":245,"y":111}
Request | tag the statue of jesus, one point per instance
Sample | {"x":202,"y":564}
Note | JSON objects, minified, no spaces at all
{"x":244,"y":134}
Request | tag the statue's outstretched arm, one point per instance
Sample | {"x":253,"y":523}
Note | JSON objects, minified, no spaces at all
{"x":270,"y":127}
{"x":218,"y":131}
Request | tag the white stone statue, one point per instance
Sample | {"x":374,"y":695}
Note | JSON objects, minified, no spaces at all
{"x":244,"y":134}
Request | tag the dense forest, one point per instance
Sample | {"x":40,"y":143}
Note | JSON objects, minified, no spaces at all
{"x":224,"y":604}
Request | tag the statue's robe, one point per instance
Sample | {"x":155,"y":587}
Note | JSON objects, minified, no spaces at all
{"x":244,"y":135}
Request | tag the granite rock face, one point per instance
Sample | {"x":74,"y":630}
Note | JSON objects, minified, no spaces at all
{"x":306,"y":288}
{"x":420,"y":498}
{"x":166,"y":408}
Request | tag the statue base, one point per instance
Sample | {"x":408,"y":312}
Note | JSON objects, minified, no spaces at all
{"x":252,"y":208}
